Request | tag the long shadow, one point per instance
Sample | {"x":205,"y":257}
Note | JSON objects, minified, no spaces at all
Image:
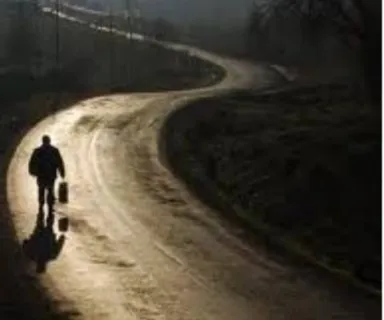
{"x":22,"y":299}
{"x":43,"y":245}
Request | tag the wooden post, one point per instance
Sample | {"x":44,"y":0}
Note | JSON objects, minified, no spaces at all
{"x":111,"y":51}
{"x":57,"y":56}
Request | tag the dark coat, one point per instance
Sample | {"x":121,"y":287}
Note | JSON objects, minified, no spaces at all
{"x":45,"y":162}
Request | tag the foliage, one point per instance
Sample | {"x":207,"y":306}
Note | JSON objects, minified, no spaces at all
{"x":311,"y":31}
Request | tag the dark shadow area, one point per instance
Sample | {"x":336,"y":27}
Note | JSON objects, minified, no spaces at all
{"x":43,"y":245}
{"x":21,"y":295}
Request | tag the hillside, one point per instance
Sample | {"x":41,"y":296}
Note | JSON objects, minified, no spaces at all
{"x":93,"y":61}
{"x":301,"y":166}
{"x":181,"y":11}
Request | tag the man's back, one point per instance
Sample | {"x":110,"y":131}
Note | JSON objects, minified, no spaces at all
{"x":45,"y":162}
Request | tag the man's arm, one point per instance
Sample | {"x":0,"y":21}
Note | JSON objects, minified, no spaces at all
{"x":60,"y":164}
{"x":32,"y":165}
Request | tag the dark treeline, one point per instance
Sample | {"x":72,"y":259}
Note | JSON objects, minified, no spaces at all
{"x":41,"y":53}
{"x":326,"y":41}
{"x":332,"y":40}
{"x":330,"y":34}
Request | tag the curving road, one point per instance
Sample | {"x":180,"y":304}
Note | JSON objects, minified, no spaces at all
{"x":140,"y":246}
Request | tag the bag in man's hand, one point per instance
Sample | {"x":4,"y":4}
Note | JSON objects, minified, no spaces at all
{"x":63,"y":224}
{"x":63,"y":192}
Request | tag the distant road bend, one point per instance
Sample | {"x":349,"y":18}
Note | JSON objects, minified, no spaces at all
{"x":140,"y":246}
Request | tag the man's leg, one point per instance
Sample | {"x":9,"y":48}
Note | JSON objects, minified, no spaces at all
{"x":41,"y":194}
{"x":50,"y":196}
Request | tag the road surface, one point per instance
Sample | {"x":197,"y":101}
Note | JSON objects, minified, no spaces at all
{"x":140,"y":246}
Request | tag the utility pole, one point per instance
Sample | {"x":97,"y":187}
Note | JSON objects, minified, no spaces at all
{"x":21,"y":20}
{"x":111,"y":49}
{"x":57,"y":49}
{"x":57,"y":36}
{"x":39,"y":27}
{"x":128,"y":64}
{"x":56,"y":99}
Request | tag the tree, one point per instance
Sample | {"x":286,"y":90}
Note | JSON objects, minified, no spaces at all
{"x":356,"y":23}
{"x":164,"y":30}
{"x":367,"y":31}
{"x":21,"y":40}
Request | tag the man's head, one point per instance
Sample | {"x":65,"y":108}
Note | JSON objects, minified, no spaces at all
{"x":46,"y":140}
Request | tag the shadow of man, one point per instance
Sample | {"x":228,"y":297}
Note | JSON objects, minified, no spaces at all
{"x":43,"y":245}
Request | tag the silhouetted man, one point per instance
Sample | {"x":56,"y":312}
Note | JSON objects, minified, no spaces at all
{"x":44,"y":164}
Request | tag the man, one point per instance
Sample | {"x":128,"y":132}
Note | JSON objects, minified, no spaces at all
{"x":44,"y":164}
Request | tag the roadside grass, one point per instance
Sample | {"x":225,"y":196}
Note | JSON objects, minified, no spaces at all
{"x":303,"y":164}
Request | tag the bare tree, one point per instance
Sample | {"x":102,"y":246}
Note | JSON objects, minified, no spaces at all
{"x":356,"y":23}
{"x":22,"y":43}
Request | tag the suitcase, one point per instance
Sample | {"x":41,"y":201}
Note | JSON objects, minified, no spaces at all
{"x":63,"y":224}
{"x":63,"y":192}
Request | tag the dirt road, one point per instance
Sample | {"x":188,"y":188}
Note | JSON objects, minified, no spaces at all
{"x":140,"y":246}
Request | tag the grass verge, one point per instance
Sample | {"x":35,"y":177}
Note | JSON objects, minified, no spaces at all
{"x":301,"y":166}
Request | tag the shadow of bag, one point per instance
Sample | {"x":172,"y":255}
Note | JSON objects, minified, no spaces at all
{"x":63,"y":192}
